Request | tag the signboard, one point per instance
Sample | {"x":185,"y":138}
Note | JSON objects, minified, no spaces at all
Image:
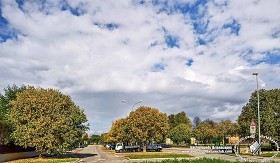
{"x":252,"y":128}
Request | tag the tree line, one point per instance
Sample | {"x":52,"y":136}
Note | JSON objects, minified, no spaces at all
{"x":41,"y":118}
{"x":51,"y":122}
{"x":147,"y":124}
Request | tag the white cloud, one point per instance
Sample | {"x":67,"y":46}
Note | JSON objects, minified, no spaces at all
{"x":99,"y":67}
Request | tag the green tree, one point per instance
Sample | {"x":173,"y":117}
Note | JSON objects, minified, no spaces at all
{"x":181,"y":133}
{"x":269,"y":113}
{"x":148,"y":124}
{"x":47,"y":120}
{"x":175,"y":120}
{"x":6,"y":127}
{"x":95,"y":139}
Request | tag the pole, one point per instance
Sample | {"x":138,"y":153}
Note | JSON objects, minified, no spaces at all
{"x":133,"y":104}
{"x":259,"y":124}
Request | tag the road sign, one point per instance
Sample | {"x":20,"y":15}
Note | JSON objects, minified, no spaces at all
{"x":253,"y":123}
{"x":253,"y":128}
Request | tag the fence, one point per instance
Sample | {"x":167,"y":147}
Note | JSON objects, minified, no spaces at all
{"x":14,"y":149}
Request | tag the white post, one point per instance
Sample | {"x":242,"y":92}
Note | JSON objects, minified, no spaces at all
{"x":259,"y":124}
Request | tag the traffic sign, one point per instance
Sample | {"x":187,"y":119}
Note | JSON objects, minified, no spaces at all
{"x":253,"y":123}
{"x":253,"y":128}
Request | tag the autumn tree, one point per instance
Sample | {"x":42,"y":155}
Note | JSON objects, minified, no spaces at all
{"x":105,"y":138}
{"x":47,"y":120}
{"x":121,"y":132}
{"x":181,"y":133}
{"x":148,"y":124}
{"x":6,"y":127}
{"x":206,"y":131}
{"x":226,"y":128}
{"x":269,"y":113}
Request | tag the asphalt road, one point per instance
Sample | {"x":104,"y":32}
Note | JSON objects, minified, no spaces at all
{"x":200,"y":154}
{"x":94,"y":153}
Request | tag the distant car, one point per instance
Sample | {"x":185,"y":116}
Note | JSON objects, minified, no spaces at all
{"x":112,"y":147}
{"x":154,"y":147}
{"x":107,"y":146}
{"x":164,"y":145}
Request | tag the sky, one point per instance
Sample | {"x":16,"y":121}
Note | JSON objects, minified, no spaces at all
{"x":195,"y":56}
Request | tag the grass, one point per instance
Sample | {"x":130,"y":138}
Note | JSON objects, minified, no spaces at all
{"x":155,"y":155}
{"x":201,"y":160}
{"x":268,"y":154}
{"x":45,"y":160}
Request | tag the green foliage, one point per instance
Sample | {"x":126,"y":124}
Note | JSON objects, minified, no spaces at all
{"x":180,"y":127}
{"x":47,"y":120}
{"x":175,"y":120}
{"x":181,"y":133}
{"x":269,"y":113}
{"x":5,"y":125}
{"x":95,"y":139}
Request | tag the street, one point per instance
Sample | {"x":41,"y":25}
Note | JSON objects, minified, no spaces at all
{"x":94,"y":153}
{"x":97,"y":155}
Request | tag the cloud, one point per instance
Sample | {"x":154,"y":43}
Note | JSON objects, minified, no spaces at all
{"x":195,"y":56}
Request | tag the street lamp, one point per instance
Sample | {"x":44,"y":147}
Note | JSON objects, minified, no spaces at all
{"x":133,"y":104}
{"x":259,"y":128}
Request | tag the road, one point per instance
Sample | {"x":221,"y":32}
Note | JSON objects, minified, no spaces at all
{"x":94,"y":153}
{"x":200,"y":154}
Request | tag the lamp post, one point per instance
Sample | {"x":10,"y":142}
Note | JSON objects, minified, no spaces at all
{"x":259,"y":128}
{"x":133,"y":104}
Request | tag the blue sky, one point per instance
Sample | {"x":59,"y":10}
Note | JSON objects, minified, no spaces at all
{"x":196,"y":56}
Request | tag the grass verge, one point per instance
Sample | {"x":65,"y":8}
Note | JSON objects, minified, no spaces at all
{"x":201,"y":160}
{"x":268,"y":154}
{"x":45,"y":160}
{"x":156,"y":155}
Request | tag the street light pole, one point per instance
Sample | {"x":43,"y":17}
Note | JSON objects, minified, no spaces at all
{"x":133,"y":104}
{"x":259,"y":125}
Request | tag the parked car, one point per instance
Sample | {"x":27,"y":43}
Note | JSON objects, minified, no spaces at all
{"x":82,"y":145}
{"x":164,"y":145}
{"x":107,"y":146}
{"x":112,"y":147}
{"x":154,"y":147}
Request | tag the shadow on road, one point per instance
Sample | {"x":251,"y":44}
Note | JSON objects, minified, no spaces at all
{"x":70,"y":155}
